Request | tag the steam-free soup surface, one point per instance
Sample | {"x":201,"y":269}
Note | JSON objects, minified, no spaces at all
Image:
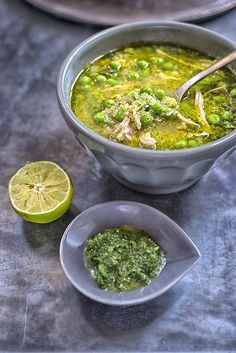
{"x":127,"y":96}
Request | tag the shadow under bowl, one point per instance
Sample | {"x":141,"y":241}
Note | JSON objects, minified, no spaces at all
{"x":179,"y":250}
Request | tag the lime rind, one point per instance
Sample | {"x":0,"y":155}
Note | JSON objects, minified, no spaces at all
{"x":34,"y":172}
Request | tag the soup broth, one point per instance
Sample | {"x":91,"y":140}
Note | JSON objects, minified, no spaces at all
{"x":127,"y":96}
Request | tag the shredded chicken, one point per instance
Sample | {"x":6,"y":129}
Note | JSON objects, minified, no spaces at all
{"x":123,"y":130}
{"x":199,"y":102}
{"x":221,"y":89}
{"x":200,"y":134}
{"x":167,"y":77}
{"x":120,"y":87}
{"x":137,"y":121}
{"x":147,"y":140}
{"x":204,"y":134}
{"x":185,"y":120}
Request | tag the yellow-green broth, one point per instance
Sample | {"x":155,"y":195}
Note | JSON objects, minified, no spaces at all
{"x":130,"y":80}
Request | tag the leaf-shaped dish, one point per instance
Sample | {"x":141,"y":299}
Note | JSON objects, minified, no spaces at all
{"x":180,"y":252}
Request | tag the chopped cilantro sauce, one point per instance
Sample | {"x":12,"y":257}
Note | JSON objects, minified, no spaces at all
{"x":123,"y":259}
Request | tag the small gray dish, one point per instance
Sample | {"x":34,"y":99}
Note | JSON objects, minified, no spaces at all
{"x":180,"y":252}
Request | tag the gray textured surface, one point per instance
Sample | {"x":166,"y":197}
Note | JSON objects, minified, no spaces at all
{"x":120,"y":11}
{"x":39,"y":309}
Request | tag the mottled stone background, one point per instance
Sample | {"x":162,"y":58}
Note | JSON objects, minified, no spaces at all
{"x":39,"y":309}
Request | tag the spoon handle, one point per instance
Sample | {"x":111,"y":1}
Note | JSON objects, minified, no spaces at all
{"x":179,"y":93}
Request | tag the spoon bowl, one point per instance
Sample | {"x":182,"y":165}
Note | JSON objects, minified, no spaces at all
{"x":218,"y":64}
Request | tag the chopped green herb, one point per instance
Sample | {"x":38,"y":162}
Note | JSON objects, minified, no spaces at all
{"x":123,"y":259}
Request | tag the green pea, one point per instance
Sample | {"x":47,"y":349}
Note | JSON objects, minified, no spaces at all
{"x":166,"y":111}
{"x":115,"y":65}
{"x":119,"y":114}
{"x":99,"y":118}
{"x":168,"y":66}
{"x":181,"y":144}
{"x":100,"y":78}
{"x":133,"y":75}
{"x":148,"y":90}
{"x":159,"y":61}
{"x":192,"y":143}
{"x":156,"y":108}
{"x":233,"y":92}
{"x":226,"y":115}
{"x":160,"y":94}
{"x":218,"y":99}
{"x":84,"y":80}
{"x":142,"y":64}
{"x":146,"y":119}
{"x":108,"y":103}
{"x":213,"y":118}
{"x":112,"y":82}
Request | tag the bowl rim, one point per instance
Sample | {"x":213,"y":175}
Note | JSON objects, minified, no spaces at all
{"x":86,"y":44}
{"x":116,"y":301}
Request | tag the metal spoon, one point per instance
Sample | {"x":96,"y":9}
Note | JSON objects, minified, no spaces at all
{"x":180,"y":92}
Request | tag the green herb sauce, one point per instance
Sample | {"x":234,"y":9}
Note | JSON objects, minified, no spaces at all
{"x":123,"y":259}
{"x":127,"y":96}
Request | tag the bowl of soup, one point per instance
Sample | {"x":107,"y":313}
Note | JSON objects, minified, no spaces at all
{"x":116,"y":93}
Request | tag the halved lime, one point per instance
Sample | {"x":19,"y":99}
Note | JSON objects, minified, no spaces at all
{"x":40,"y":192}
